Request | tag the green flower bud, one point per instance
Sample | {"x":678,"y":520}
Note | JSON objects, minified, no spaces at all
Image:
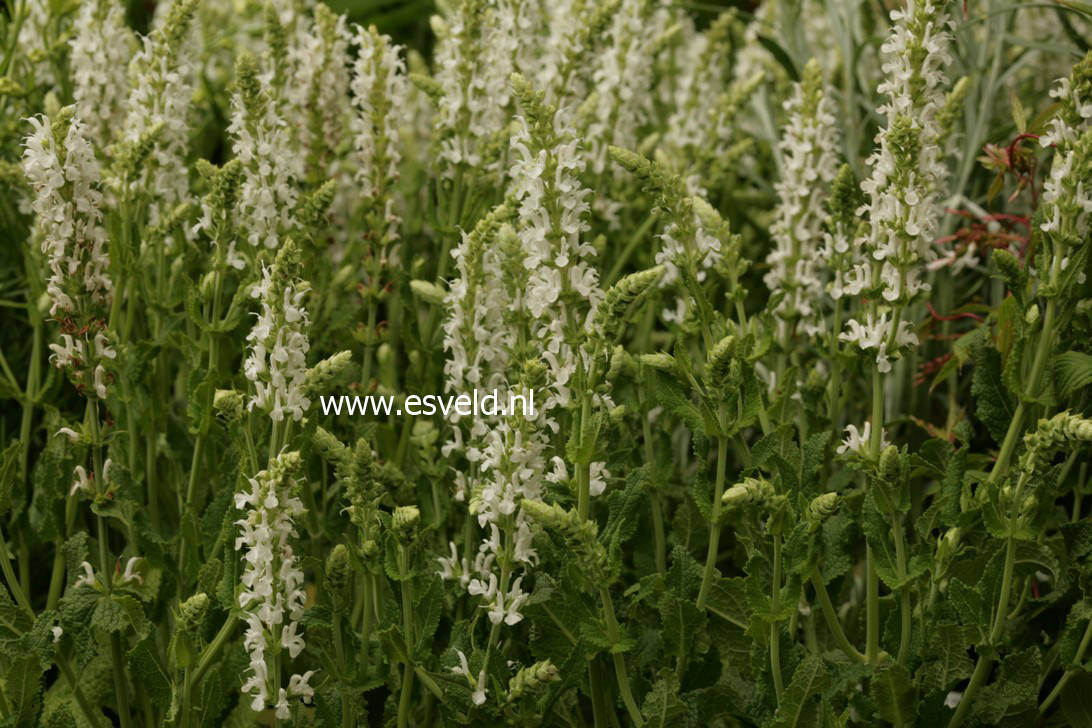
{"x":663,"y":362}
{"x":747,"y":492}
{"x":338,"y":569}
{"x":404,"y":521}
{"x":719,"y":362}
{"x":530,"y":678}
{"x":617,"y":300}
{"x":823,"y":506}
{"x":311,"y":213}
{"x":320,"y":375}
{"x":229,"y":404}
{"x":429,"y":292}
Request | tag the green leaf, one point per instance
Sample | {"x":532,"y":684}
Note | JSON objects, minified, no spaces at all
{"x":809,"y":679}
{"x":681,"y":621}
{"x":148,"y":671}
{"x":1014,"y":692}
{"x":14,"y":622}
{"x":993,"y":405}
{"x":1076,"y":700}
{"x":23,"y":690}
{"x":662,"y":705}
{"x":728,"y":600}
{"x":9,"y":461}
{"x":895,"y":695}
{"x":671,"y":396}
{"x":1072,"y":371}
{"x":948,"y":663}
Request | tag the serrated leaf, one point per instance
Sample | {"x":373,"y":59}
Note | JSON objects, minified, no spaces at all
{"x":9,"y":461}
{"x":680,"y":621}
{"x":948,"y":661}
{"x":148,"y":671}
{"x":1015,"y":689}
{"x":662,"y":705}
{"x":895,"y":695}
{"x":993,"y":405}
{"x":808,"y":679}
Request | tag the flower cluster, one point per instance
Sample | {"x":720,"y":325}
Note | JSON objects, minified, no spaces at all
{"x":60,"y":164}
{"x":101,"y":49}
{"x":380,"y":97}
{"x":272,"y":595}
{"x":160,"y":94}
{"x":261,"y":142}
{"x":809,"y":151}
{"x":903,"y":192}
{"x":277,"y":361}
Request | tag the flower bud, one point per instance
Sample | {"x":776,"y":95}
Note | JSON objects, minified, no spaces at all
{"x":823,"y":506}
{"x":529,"y":678}
{"x":661,"y":361}
{"x":229,"y":404}
{"x":404,"y":521}
{"x":338,"y":569}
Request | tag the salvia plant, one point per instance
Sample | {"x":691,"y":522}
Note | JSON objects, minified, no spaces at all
{"x":799,"y":290}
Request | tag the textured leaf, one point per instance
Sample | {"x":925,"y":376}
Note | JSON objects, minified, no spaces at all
{"x":681,"y":621}
{"x":662,"y":706}
{"x":948,"y":661}
{"x":148,"y":671}
{"x":9,"y":461}
{"x":809,"y":679}
{"x":993,"y":405}
{"x":1014,"y":691}
{"x":895,"y":695}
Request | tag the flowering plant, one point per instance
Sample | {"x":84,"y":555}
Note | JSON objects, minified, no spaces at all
{"x":802,"y":290}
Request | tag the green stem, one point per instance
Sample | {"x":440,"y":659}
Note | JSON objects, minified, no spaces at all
{"x":872,"y":610}
{"x":714,"y":527}
{"x":407,"y":627}
{"x":212,"y":652}
{"x":831,"y":617}
{"x":904,"y":591}
{"x":775,"y":605}
{"x":619,"y":659}
{"x":1078,"y":659}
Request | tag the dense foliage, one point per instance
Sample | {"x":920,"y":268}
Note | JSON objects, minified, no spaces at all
{"x":801,"y":291}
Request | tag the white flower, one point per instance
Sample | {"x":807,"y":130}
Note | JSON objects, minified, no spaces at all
{"x":463,"y":668}
{"x":272,"y":594}
{"x":58,"y":632}
{"x":130,"y":575}
{"x":278,"y":344}
{"x":100,"y":52}
{"x":161,"y":79}
{"x":260,"y":140}
{"x":809,"y":149}
{"x":380,"y":94}
{"x":67,"y":203}
{"x":71,"y":434}
{"x":859,"y":442}
{"x":88,"y":578}
{"x":454,"y":568}
{"x":82,"y":482}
